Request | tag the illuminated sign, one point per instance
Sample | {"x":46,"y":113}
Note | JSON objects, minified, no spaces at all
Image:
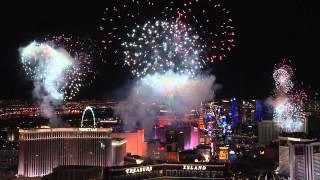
{"x":194,"y":167}
{"x":139,"y":169}
{"x":223,"y":153}
{"x":88,"y":129}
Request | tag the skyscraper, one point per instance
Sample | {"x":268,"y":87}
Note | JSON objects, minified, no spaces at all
{"x":235,"y":112}
{"x":260,"y":112}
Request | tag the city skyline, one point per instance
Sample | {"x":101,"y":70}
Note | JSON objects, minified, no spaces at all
{"x":145,"y":89}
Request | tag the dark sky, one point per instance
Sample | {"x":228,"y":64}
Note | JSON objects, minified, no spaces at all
{"x":267,"y":31}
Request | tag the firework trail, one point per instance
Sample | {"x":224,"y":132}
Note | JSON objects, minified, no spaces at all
{"x":57,"y":72}
{"x":158,"y":36}
{"x":289,"y":102}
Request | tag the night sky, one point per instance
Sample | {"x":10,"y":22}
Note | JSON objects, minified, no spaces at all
{"x":267,"y":31}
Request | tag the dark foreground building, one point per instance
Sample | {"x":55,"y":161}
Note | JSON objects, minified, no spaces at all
{"x":75,"y":173}
{"x":299,"y":158}
{"x":137,"y":172}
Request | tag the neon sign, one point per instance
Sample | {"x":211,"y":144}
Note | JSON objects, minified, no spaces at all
{"x":139,"y":169}
{"x":194,"y":167}
{"x":88,"y":129}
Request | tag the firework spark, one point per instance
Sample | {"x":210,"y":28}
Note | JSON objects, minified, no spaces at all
{"x":162,"y":46}
{"x":81,"y":73}
{"x":211,"y":20}
{"x":43,"y":62}
{"x":60,"y":64}
{"x":157,"y":36}
{"x":289,"y":103}
{"x":282,"y":76}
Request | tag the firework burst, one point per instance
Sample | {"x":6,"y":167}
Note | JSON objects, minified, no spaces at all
{"x":289,"y":103}
{"x":157,"y":36}
{"x":213,"y":23}
{"x":282,"y":75}
{"x":60,"y":64}
{"x":161,"y":46}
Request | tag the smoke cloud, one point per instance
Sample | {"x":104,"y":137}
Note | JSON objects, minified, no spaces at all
{"x":180,"y":93}
{"x":46,"y":67}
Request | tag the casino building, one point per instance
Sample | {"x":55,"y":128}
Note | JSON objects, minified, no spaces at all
{"x":42,"y":150}
{"x":138,"y":172}
{"x":135,"y":141}
{"x":167,"y":171}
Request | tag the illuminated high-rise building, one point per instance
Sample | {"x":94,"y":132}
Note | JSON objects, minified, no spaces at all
{"x":201,"y":124}
{"x":248,"y":112}
{"x":235,"y":112}
{"x":190,"y":137}
{"x":42,"y":150}
{"x":260,"y":112}
{"x":156,"y":150}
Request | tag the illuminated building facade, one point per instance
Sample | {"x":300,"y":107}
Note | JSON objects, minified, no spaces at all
{"x":235,"y":112}
{"x":185,"y":137}
{"x":191,"y":137}
{"x":135,"y":141}
{"x":42,"y":150}
{"x":172,"y":156}
{"x":186,"y":123}
{"x":156,"y":150}
{"x":165,"y":120}
{"x":204,"y":151}
{"x":172,"y":138}
{"x":160,"y":133}
{"x":260,"y":111}
{"x":201,"y":124}
{"x":204,"y":138}
{"x":224,"y":153}
{"x":118,"y":151}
